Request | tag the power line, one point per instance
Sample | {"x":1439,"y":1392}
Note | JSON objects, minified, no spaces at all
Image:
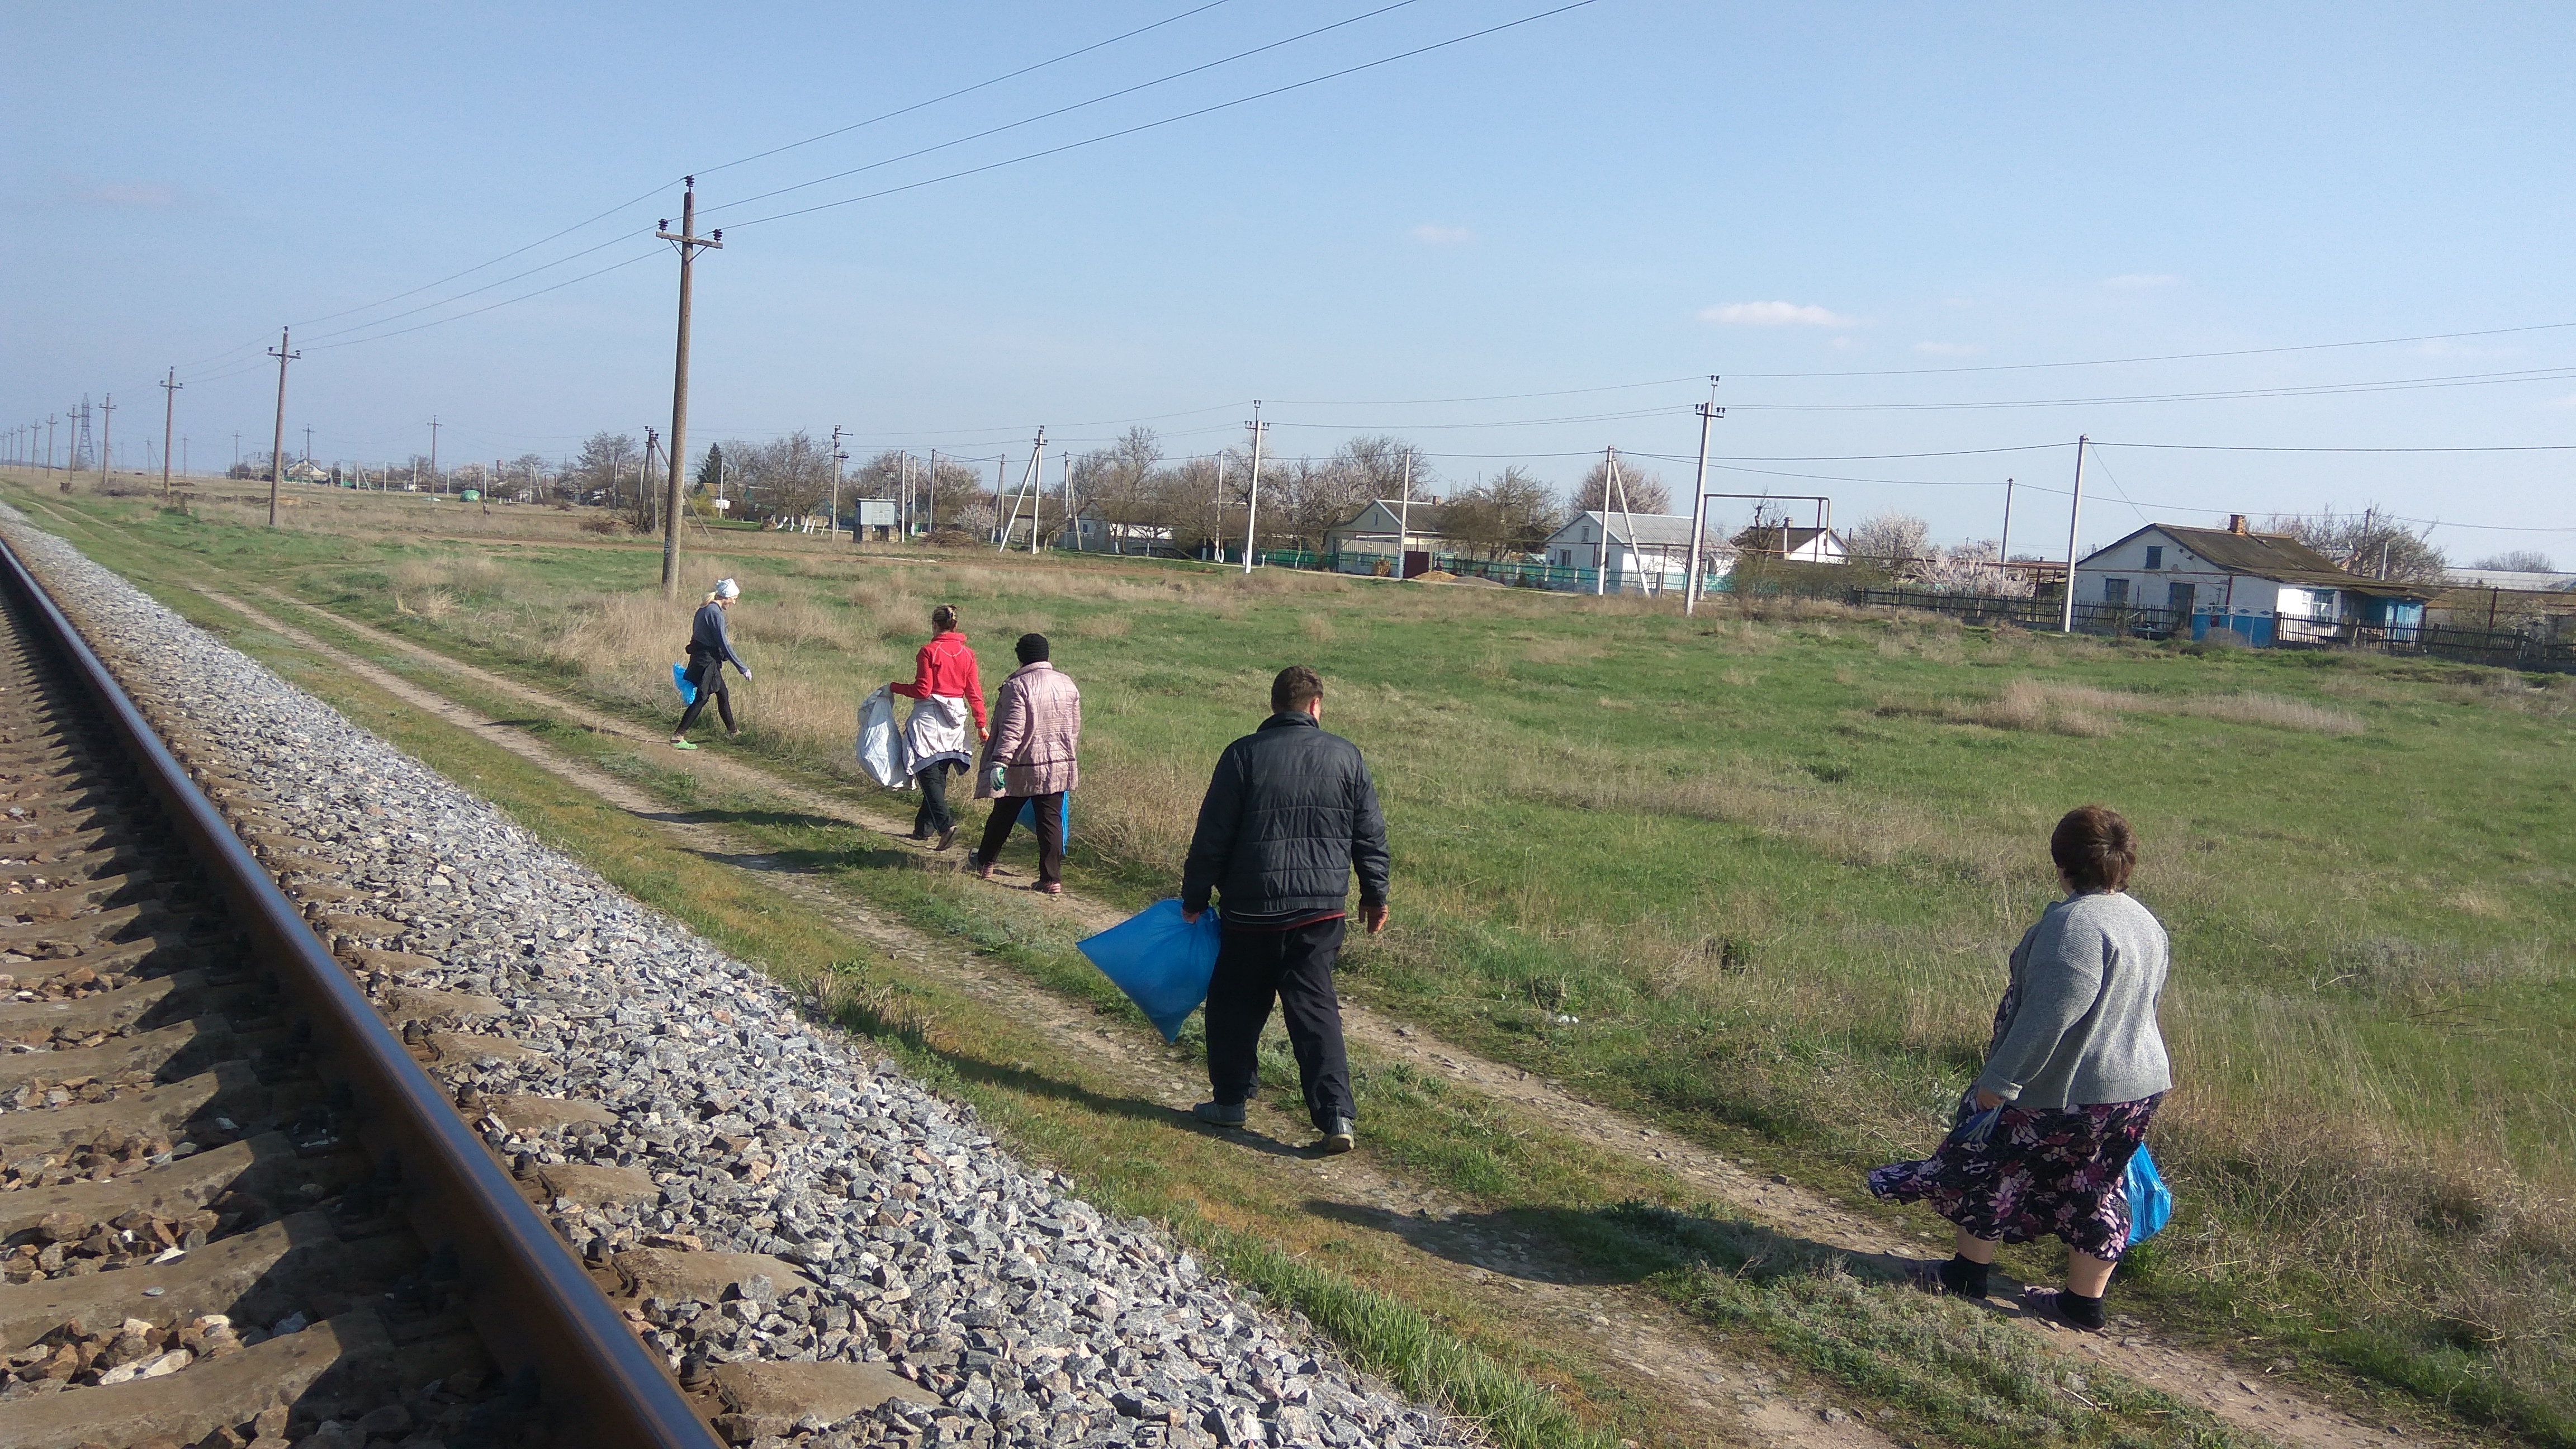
{"x":1062,"y":110}
{"x":1175,"y":119}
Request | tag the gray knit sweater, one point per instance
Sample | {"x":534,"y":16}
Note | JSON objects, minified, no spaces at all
{"x":2083,"y":1025}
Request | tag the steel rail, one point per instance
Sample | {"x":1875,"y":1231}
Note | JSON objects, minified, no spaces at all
{"x":531,"y":1302}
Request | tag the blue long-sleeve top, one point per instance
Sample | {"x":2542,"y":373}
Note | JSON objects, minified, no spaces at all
{"x":708,"y":635}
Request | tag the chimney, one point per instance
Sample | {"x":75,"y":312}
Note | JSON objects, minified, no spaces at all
{"x":2236,"y":524}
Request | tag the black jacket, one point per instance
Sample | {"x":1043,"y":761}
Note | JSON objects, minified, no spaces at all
{"x":1289,"y":812}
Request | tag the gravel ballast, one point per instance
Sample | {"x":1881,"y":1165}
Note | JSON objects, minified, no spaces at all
{"x":907,"y":1236}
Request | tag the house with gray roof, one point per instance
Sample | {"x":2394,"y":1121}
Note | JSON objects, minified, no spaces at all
{"x":2268,"y":588}
{"x":1632,"y":553}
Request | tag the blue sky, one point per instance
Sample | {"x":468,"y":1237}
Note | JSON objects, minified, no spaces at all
{"x":1626,"y":193}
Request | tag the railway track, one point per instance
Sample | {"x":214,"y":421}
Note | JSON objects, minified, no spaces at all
{"x":234,"y":1210}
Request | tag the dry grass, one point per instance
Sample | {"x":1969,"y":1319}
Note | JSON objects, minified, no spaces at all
{"x":2089,"y":712}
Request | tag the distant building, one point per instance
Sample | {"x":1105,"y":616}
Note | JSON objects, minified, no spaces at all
{"x":2526,"y":581}
{"x":1092,"y":532}
{"x":1399,"y":534}
{"x":1632,"y":553}
{"x":1793,"y":545}
{"x":2268,"y":588}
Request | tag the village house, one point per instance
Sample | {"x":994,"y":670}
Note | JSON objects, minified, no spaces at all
{"x":1793,"y":545}
{"x":2268,"y":588}
{"x":1402,"y":536}
{"x":1646,"y":553}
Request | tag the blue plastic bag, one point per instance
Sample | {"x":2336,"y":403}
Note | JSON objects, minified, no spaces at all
{"x":680,"y":681}
{"x":1064,"y":817}
{"x":1161,"y":961}
{"x":2150,"y":1201}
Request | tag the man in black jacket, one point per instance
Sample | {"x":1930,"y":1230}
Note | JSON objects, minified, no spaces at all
{"x":1289,"y":813}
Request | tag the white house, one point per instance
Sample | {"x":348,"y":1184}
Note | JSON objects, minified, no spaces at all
{"x":1093,"y":532}
{"x":2267,"y":587}
{"x":1646,"y":553}
{"x":1794,"y":545}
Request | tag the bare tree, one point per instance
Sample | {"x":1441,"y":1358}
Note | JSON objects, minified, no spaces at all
{"x":2519,"y":561}
{"x":1645,"y":493}
{"x":789,"y":477}
{"x":1118,"y":481}
{"x":2368,"y":543}
{"x":605,"y":461}
{"x":1509,"y":513}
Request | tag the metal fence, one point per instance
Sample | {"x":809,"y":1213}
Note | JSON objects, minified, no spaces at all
{"x":2540,"y":649}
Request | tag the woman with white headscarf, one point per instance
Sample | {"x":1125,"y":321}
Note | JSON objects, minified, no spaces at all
{"x":710,"y":650}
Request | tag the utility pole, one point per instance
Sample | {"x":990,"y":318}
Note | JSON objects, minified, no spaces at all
{"x":1404,"y":515}
{"x":1001,"y":472}
{"x":1709,"y":412}
{"x":433,"y":450}
{"x":237,"y":454}
{"x":308,"y":442}
{"x":50,"y":419}
{"x":930,"y":497}
{"x":690,"y":244}
{"x":1037,"y":491}
{"x":2074,"y":511}
{"x":2003,"y":549}
{"x":1252,"y":500}
{"x":903,"y":495}
{"x":183,"y":453}
{"x":838,"y":457}
{"x":277,"y":447}
{"x":106,"y":437}
{"x":169,"y":406}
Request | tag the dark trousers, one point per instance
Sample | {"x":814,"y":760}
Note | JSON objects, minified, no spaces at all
{"x":1050,"y":813}
{"x":933,"y":817}
{"x":724,"y":710}
{"x":1296,"y":967}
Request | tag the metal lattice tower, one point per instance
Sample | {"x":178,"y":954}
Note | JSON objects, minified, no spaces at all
{"x":83,"y":455}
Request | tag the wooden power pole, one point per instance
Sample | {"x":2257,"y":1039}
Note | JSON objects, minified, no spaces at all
{"x":106,"y":436}
{"x":277,"y":447}
{"x":689,"y":243}
{"x":169,"y":402}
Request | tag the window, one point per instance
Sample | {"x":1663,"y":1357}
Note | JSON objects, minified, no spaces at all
{"x":2155,"y":557}
{"x":2322,"y":604}
{"x":2115,"y":591}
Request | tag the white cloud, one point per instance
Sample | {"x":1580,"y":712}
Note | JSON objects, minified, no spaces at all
{"x":2141,"y":281}
{"x":1442,"y":236}
{"x":1774,"y":314}
{"x":1949,"y":349}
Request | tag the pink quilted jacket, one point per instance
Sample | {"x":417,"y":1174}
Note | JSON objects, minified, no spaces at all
{"x":1037,"y":723}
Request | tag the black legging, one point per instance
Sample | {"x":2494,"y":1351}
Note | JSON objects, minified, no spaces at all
{"x":724,"y":710}
{"x":933,"y":817}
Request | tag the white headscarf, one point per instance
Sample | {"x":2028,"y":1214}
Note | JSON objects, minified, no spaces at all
{"x":728,"y":589}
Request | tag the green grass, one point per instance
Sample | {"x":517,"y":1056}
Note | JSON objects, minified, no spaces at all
{"x":1772,"y":865}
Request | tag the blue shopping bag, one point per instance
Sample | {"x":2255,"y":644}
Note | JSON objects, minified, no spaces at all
{"x":2150,"y":1201}
{"x":680,"y":681}
{"x":1161,"y":961}
{"x":1064,"y":817}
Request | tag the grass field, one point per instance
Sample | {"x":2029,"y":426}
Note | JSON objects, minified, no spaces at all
{"x":1754,"y":874}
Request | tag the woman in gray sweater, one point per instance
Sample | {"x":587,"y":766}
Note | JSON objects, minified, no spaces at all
{"x":2073,"y":1075}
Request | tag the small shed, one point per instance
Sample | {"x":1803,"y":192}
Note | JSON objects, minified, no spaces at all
{"x":1632,"y":553}
{"x":2268,"y":588}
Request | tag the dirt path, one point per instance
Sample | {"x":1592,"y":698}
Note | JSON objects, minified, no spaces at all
{"x":2244,"y":1398}
{"x":1631,"y":1337}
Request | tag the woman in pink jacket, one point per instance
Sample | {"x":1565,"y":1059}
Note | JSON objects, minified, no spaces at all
{"x":1037,"y":723}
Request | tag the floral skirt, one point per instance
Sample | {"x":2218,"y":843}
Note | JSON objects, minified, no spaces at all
{"x":2038,"y":1172}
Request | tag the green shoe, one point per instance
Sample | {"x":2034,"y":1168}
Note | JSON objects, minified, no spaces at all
{"x":682,"y":745}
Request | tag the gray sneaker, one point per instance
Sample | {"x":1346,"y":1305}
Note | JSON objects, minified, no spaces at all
{"x":1219,"y":1114}
{"x":1340,"y":1138}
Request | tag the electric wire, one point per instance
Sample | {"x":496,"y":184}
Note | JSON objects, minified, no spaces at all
{"x":1058,"y":111}
{"x":1173,"y":119}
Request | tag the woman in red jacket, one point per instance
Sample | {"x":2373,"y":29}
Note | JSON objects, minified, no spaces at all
{"x":946,"y":692}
